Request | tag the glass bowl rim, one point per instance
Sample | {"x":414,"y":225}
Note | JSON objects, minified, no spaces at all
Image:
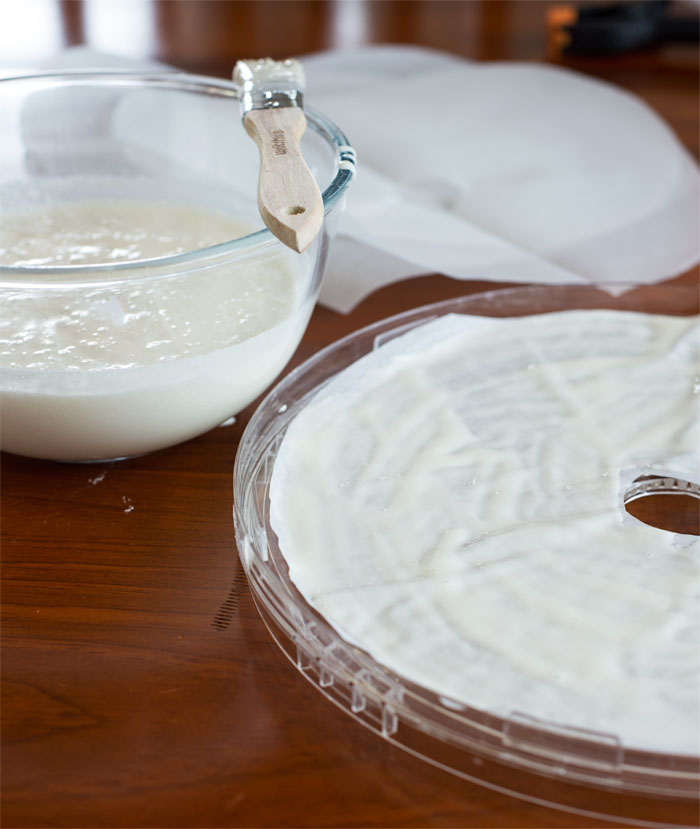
{"x":15,"y":275}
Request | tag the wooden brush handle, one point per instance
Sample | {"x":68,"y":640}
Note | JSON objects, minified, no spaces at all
{"x":289,"y":200}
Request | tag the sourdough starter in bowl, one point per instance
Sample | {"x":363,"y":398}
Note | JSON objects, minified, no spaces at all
{"x":116,"y":370}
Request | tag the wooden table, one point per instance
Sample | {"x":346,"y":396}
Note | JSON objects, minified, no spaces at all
{"x":131,"y":697}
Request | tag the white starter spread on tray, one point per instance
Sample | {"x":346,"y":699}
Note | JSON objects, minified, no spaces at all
{"x":452,"y":503}
{"x":103,"y":371}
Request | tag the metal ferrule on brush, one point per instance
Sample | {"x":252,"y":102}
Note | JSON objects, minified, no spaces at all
{"x":269,"y":84}
{"x":268,"y":98}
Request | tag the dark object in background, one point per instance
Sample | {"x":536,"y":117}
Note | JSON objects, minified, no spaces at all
{"x":609,"y":29}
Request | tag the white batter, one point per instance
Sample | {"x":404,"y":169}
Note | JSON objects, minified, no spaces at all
{"x":452,"y":504}
{"x":104,"y":372}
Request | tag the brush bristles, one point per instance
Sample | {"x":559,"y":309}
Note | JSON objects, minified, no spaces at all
{"x":268,"y":74}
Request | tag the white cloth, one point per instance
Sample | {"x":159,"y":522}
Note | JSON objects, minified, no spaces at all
{"x":501,"y":171}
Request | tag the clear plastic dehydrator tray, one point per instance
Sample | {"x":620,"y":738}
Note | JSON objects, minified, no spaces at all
{"x":568,"y":768}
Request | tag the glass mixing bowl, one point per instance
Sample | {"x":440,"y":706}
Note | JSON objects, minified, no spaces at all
{"x":111,"y":360}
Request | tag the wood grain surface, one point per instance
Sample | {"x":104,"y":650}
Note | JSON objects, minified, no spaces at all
{"x":140,"y":687}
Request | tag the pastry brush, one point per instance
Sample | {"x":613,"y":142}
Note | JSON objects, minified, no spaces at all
{"x":289,"y":200}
